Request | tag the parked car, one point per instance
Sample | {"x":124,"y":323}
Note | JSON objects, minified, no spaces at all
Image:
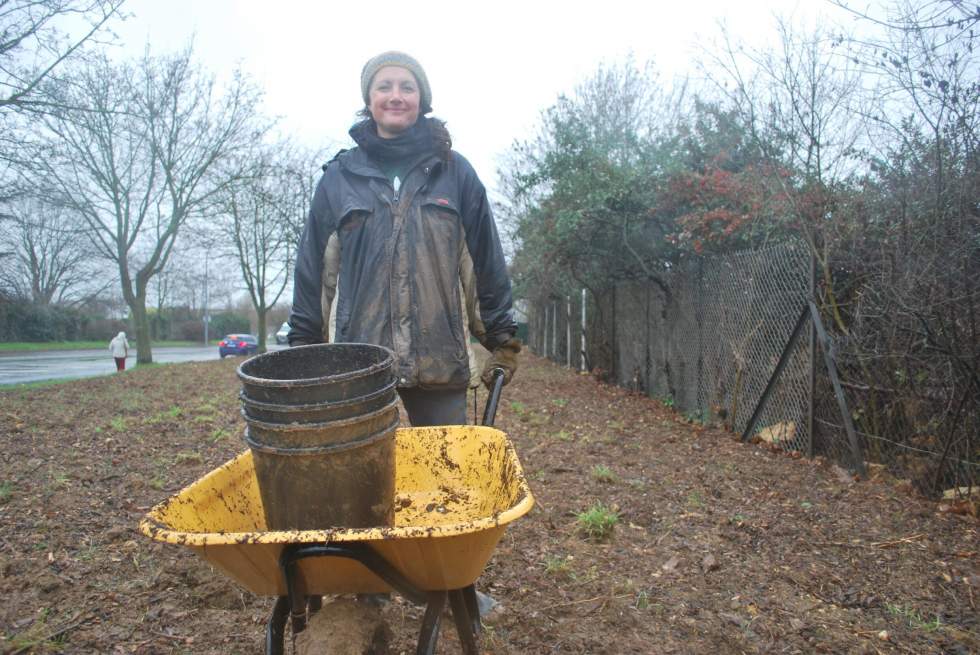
{"x":238,"y":344}
{"x":282,"y":336}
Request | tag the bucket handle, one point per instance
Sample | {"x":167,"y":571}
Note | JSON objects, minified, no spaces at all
{"x":490,"y":413}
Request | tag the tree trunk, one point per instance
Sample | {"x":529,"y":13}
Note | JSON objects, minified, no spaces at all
{"x":141,"y":323}
{"x":260,"y":313}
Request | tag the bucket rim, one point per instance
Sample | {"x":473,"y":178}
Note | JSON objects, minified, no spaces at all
{"x":306,"y":407}
{"x":387,"y":362}
{"x":297,"y":427}
{"x":309,"y":451}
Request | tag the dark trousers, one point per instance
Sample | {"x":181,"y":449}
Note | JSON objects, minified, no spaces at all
{"x":434,"y":407}
{"x":120,"y":363}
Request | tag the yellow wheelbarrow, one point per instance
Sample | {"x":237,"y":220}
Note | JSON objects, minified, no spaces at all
{"x":457,"y":487}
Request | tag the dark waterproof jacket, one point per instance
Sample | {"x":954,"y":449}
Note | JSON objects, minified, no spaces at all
{"x":399,"y":283}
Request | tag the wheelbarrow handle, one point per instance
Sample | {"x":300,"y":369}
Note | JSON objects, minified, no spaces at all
{"x":490,"y":413}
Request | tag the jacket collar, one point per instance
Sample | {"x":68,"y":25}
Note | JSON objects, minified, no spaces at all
{"x":356,"y":161}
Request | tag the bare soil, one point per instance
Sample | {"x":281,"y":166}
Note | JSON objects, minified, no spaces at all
{"x":720,"y":547}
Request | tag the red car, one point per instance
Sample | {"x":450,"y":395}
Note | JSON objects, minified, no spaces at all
{"x":238,"y":344}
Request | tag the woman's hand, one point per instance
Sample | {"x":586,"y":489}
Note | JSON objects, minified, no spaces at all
{"x":503,"y":357}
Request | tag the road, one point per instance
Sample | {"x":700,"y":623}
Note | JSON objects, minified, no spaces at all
{"x":57,"y":364}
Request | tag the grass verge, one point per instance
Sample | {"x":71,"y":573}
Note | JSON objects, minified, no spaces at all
{"x":30,"y":346}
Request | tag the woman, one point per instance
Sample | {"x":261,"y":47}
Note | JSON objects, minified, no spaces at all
{"x":407,"y":210}
{"x":119,"y":348}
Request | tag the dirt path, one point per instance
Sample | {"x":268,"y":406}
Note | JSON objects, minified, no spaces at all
{"x":719,"y":547}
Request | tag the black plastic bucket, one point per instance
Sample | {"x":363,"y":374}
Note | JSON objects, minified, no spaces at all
{"x":318,"y":412}
{"x":319,"y":373}
{"x":325,"y":475}
{"x":326,"y":433}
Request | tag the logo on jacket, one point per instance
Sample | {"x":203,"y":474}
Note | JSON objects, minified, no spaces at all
{"x":442,"y":201}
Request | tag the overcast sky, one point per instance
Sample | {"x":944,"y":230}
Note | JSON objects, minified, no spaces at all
{"x":493,"y":66}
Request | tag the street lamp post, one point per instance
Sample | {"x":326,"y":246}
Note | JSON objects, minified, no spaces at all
{"x":207,"y":316}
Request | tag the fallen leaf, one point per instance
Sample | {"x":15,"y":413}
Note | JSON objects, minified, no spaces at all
{"x":844,"y":475}
{"x":732,"y":618}
{"x":709,"y":563}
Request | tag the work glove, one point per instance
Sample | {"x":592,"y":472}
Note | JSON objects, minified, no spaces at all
{"x":503,"y":357}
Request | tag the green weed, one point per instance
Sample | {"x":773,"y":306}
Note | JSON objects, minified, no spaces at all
{"x":517,"y":407}
{"x":559,"y":402}
{"x":185,"y":457}
{"x":6,"y":491}
{"x":219,"y":434}
{"x":695,"y":416}
{"x":35,"y":638}
{"x":557,"y":565}
{"x":668,"y":401}
{"x":913,"y":618}
{"x":642,"y":600}
{"x":598,"y":521}
{"x":118,"y":424}
{"x":602,"y":473}
{"x":563,"y":435}
{"x":694,"y":499}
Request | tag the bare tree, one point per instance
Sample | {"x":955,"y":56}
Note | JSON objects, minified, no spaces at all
{"x":925,"y":61}
{"x":262,"y":214}
{"x":34,"y":45}
{"x":48,"y":260}
{"x":149,"y":145}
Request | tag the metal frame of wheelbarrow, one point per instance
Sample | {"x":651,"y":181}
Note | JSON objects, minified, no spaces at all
{"x":296,"y":605}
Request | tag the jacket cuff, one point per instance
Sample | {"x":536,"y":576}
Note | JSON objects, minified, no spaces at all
{"x":493,"y":341}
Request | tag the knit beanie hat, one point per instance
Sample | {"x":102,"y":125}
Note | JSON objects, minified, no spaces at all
{"x":395,"y":58}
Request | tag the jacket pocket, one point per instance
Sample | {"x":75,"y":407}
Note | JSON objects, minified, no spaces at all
{"x":353,"y":218}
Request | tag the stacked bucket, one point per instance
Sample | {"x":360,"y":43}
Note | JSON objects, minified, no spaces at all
{"x":321,"y":423}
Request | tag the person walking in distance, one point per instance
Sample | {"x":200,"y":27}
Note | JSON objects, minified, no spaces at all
{"x":119,"y":348}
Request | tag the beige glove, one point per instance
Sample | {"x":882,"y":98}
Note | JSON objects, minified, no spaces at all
{"x":503,"y":357}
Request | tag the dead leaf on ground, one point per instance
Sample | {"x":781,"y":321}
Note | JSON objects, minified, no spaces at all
{"x":709,"y":563}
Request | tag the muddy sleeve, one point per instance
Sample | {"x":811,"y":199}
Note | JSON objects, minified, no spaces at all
{"x":306,"y":317}
{"x":489,"y":267}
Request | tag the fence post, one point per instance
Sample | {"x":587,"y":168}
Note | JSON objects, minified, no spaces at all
{"x":582,"y":358}
{"x":812,"y":347}
{"x":554,"y":330}
{"x":568,"y":331}
{"x":845,"y":413}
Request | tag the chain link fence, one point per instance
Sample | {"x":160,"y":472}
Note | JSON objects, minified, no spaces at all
{"x":708,"y":346}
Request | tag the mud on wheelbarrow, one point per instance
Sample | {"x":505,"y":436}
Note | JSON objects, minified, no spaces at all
{"x":457,"y":487}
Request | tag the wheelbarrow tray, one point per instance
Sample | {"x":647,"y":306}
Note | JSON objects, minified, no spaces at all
{"x":457,"y":487}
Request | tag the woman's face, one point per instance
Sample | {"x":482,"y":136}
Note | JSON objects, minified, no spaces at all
{"x":394,"y":97}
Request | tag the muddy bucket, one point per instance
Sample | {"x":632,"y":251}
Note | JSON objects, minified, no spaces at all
{"x":319,"y":373}
{"x":323,"y":475}
{"x":318,"y":412}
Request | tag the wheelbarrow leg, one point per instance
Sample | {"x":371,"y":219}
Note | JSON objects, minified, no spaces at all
{"x":464,"y":622}
{"x":473,"y":607}
{"x":275,"y":629}
{"x":429,"y":635}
